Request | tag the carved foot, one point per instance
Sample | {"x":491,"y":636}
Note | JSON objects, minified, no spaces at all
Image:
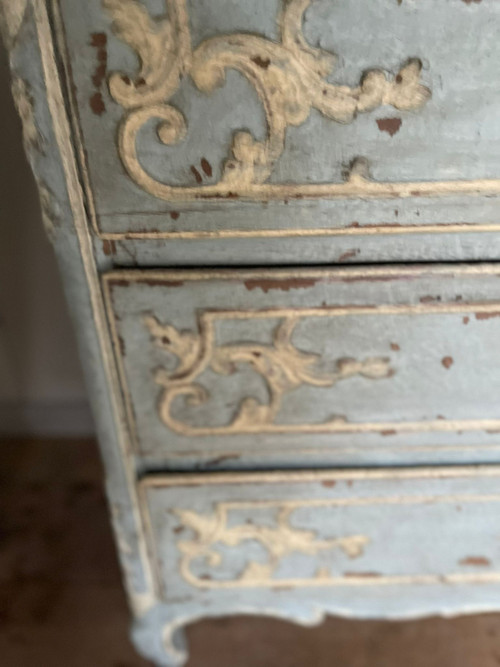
{"x":161,"y":641}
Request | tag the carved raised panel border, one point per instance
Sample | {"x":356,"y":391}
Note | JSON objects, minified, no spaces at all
{"x":282,"y":366}
{"x":271,"y":523}
{"x":282,"y":540}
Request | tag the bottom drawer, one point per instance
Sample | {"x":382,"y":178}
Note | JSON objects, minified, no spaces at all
{"x":375,"y":543}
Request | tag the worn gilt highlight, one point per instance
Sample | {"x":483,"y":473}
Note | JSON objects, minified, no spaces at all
{"x":290,"y":78}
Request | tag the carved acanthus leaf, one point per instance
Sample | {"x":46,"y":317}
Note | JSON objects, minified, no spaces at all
{"x":162,"y":46}
{"x":290,"y":78}
{"x":279,"y":540}
{"x":280,"y":364}
{"x":185,"y":345}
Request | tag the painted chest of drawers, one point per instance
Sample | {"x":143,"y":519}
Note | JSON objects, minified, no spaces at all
{"x":278,"y":223}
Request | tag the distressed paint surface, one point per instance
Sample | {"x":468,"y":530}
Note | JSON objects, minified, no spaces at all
{"x":416,"y":347}
{"x":385,"y":543}
{"x":37,"y":95}
{"x":450,"y":139}
{"x":289,"y":76}
{"x":354,"y":365}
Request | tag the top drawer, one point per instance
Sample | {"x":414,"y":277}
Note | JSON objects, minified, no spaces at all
{"x":220,"y":125}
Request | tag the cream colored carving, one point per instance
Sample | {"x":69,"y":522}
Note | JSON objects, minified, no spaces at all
{"x":290,"y":78}
{"x":279,"y":541}
{"x":465,"y":308}
{"x":283,"y":540}
{"x":282,"y":366}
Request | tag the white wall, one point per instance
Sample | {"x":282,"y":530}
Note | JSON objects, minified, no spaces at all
{"x":41,"y":386}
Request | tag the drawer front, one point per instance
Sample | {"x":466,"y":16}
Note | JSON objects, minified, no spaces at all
{"x":380,"y":543}
{"x":218,"y":127}
{"x":350,"y":366}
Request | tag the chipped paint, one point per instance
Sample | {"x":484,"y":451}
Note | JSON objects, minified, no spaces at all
{"x":207,"y":167}
{"x":109,"y":247}
{"x":429,"y":298}
{"x":97,"y":104}
{"x":476,"y":561}
{"x":282,"y":284}
{"x":389,"y":125}
{"x":198,"y":177}
{"x":99,"y":41}
{"x":290,"y":76}
{"x":349,"y":254}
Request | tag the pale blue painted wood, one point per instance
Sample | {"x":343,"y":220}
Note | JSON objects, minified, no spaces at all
{"x":438,"y":528}
{"x":431,"y":402}
{"x":452,"y":137}
{"x":47,"y":163}
{"x":428,"y":543}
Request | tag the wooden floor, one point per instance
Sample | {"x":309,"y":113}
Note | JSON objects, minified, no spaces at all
{"x":62,"y":605}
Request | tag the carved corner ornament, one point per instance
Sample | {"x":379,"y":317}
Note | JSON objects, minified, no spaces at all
{"x":290,"y":78}
{"x":281,"y":365}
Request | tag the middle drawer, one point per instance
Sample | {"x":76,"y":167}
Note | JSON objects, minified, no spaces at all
{"x":355,"y":366}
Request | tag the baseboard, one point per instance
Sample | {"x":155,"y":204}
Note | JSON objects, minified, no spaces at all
{"x":46,"y":419}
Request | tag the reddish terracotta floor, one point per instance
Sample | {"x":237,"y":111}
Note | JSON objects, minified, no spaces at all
{"x":62,"y":605}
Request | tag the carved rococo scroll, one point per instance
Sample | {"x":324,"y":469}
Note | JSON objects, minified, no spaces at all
{"x":289,"y":76}
{"x":281,"y":365}
{"x":279,"y":540}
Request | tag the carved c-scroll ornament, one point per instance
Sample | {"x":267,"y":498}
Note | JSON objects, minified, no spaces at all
{"x":279,"y":540}
{"x":281,"y":365}
{"x":290,"y":78}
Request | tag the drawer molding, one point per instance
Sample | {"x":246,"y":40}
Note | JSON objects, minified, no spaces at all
{"x":432,"y":545}
{"x":290,"y":78}
{"x":285,"y":368}
{"x":168,"y":328}
{"x":283,"y":539}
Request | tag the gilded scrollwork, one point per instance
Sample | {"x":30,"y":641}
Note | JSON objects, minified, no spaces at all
{"x":281,"y":365}
{"x":289,"y":75}
{"x":279,"y":539}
